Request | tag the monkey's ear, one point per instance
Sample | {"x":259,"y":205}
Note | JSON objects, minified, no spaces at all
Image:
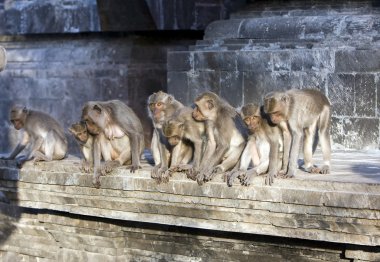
{"x":97,"y":108}
{"x":285,"y":98}
{"x":210,"y":104}
{"x":170,"y":98}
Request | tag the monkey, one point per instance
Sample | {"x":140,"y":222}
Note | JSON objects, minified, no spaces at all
{"x":262,"y":148}
{"x":301,"y":112}
{"x":43,"y":136}
{"x":183,"y":127}
{"x":118,"y":135}
{"x":161,"y":107}
{"x":85,"y":141}
{"x":226,"y":135}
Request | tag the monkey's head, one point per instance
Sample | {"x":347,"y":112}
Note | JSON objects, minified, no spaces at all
{"x":206,"y":107}
{"x":173,"y":131}
{"x":95,"y":116}
{"x":17,"y":116}
{"x":276,"y":105}
{"x":79,"y":131}
{"x":250,"y":113}
{"x":157,"y":104}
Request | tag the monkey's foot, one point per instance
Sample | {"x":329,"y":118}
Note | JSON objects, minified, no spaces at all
{"x":281,"y":173}
{"x":165,"y":176}
{"x":157,"y":173}
{"x":108,"y":166}
{"x":269,"y":179}
{"x":230,"y":176}
{"x":248,"y":178}
{"x":96,"y":181}
{"x":325,"y":169}
{"x":200,"y":179}
{"x":134,"y":168}
{"x":86,"y":167}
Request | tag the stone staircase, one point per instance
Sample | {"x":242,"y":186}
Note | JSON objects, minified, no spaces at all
{"x":277,"y":45}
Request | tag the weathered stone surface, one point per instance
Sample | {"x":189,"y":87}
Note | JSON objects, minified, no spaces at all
{"x":357,"y":61}
{"x":131,"y":216}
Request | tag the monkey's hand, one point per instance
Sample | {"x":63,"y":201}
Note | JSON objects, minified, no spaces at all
{"x":108,"y":166}
{"x":134,"y":168}
{"x":230,"y":176}
{"x":325,"y":169}
{"x":269,"y":179}
{"x":96,"y":179}
{"x":86,"y":167}
{"x":248,"y":177}
{"x":157,"y":172}
{"x":165,"y":176}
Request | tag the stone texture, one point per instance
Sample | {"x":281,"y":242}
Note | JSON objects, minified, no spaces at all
{"x":308,"y":218}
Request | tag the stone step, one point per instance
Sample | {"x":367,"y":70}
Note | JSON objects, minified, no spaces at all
{"x":304,"y":8}
{"x":309,"y":28}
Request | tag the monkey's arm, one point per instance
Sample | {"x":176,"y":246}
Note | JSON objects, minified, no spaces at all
{"x":155,"y":147}
{"x":20,"y":146}
{"x":97,"y":158}
{"x":35,"y":147}
{"x":249,"y":154}
{"x":210,"y":145}
{"x":273,"y":160}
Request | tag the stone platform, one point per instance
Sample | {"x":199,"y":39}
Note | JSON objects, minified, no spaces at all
{"x":341,"y":208}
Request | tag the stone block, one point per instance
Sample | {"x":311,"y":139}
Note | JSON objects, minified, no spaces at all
{"x":225,"y":61}
{"x":281,"y":61}
{"x":256,"y":85}
{"x":180,"y":61}
{"x":365,"y":95}
{"x":201,"y":81}
{"x":357,"y":61}
{"x":257,"y":61}
{"x":361,"y":133}
{"x":231,"y":87}
{"x":337,"y":132}
{"x":307,"y":60}
{"x":341,"y":92}
{"x":178,"y":86}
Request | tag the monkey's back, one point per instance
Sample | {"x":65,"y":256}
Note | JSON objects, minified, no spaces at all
{"x":38,"y":121}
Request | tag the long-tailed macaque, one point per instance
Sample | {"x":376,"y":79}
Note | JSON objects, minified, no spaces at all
{"x":226,"y":133}
{"x":161,"y":107}
{"x":43,"y":136}
{"x":118,"y":135}
{"x":262,"y":148}
{"x":301,"y":112}
{"x":183,"y":128}
{"x":85,"y":141}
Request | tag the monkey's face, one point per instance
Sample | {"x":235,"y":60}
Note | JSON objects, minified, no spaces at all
{"x":198,"y":115}
{"x":174,"y":140}
{"x":79,"y":131}
{"x":158,"y":111}
{"x":18,"y":116}
{"x":276,"y":117}
{"x":252,"y":122}
{"x":204,"y":110}
{"x":17,"y":123}
{"x":92,"y":128}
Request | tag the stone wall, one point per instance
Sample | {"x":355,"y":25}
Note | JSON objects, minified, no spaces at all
{"x":58,"y":74}
{"x":331,"y":47}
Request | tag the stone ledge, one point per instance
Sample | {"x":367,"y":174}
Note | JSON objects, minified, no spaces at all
{"x":343,"y":207}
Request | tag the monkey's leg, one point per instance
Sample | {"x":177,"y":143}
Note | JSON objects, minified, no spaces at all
{"x":296,"y":140}
{"x":273,"y":161}
{"x":258,"y":170}
{"x":324,"y":138}
{"x":309,"y":134}
{"x":229,"y":162}
{"x":287,"y":142}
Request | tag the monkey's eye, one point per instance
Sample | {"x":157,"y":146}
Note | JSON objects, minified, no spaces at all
{"x":152,"y":106}
{"x":159,"y":104}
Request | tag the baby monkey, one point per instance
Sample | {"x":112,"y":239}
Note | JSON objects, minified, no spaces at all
{"x":85,"y":141}
{"x":262,"y":148}
{"x":43,"y":136}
